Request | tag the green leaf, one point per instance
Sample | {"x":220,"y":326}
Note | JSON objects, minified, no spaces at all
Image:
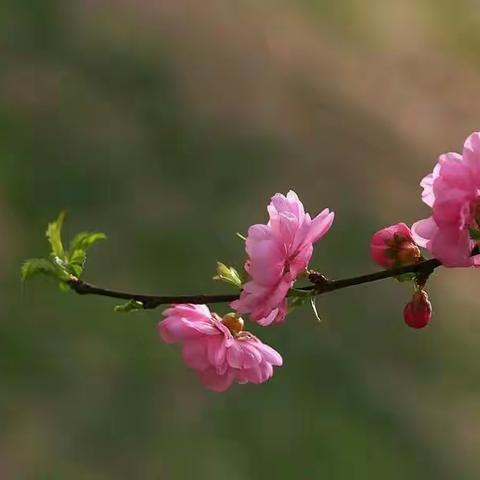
{"x":62,"y":265}
{"x":77,"y":252}
{"x":38,"y":266}
{"x":77,"y":262}
{"x":131,"y":306}
{"x":313,"y":303}
{"x":83,"y":241}
{"x":54,"y":235}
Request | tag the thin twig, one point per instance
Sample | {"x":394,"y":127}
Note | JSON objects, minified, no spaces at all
{"x":148,"y":301}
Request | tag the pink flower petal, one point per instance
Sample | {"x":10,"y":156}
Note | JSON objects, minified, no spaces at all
{"x":471,"y":154}
{"x":269,"y":354}
{"x":427,"y":183}
{"x":219,"y":383}
{"x":251,"y":356}
{"x":277,"y":315}
{"x":423,"y":231}
{"x":216,"y":350}
{"x":299,"y":263}
{"x":453,"y":247}
{"x":195,"y":354}
{"x":235,"y":355}
{"x":321,"y":225}
{"x":188,"y":310}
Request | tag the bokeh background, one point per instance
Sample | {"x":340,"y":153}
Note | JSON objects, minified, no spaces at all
{"x":169,"y":124}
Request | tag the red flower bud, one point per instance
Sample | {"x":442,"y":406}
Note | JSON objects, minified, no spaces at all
{"x":418,"y":312}
{"x":394,"y":246}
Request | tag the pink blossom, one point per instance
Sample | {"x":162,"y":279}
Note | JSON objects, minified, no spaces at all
{"x":394,"y":246}
{"x":278,"y":253}
{"x":418,"y":312}
{"x":452,"y":190}
{"x":218,"y":349}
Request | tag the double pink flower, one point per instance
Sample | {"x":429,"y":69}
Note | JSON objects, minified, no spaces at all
{"x":218,"y":349}
{"x":452,"y":190}
{"x":278,"y":253}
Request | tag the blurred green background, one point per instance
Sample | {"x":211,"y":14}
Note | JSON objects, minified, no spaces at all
{"x":169,"y":124}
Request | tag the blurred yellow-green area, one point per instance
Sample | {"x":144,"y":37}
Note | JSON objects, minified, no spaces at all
{"x":168,"y":124}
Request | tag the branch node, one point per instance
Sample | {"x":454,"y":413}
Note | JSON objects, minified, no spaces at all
{"x":317,"y":278}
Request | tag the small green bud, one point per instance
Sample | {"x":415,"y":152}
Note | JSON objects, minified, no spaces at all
{"x":131,"y":306}
{"x":228,"y":275}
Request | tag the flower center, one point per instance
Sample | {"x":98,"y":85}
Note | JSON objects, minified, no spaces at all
{"x":234,"y":323}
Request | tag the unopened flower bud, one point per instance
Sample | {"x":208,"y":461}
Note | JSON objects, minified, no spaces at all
{"x":394,"y":246}
{"x":233,"y":322}
{"x":418,"y":312}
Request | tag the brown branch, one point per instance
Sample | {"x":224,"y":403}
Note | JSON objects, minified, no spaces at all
{"x":149,"y":301}
{"x":422,"y":269}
